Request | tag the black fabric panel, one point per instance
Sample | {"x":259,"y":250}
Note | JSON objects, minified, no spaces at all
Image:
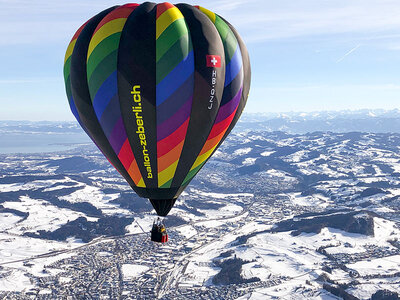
{"x":162,"y":206}
{"x":246,"y":64}
{"x":206,"y":41}
{"x":137,"y":67}
{"x":158,"y":193}
{"x":81,"y":96}
{"x":246,"y":81}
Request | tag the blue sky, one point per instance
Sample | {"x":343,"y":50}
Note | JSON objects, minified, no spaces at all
{"x":306,"y":55}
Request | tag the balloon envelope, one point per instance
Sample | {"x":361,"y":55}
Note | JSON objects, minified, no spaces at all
{"x":157,"y":87}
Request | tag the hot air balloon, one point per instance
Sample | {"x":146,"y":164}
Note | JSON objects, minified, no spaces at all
{"x":157,"y":87}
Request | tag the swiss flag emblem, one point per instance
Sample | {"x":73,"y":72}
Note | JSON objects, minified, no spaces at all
{"x":213,"y":61}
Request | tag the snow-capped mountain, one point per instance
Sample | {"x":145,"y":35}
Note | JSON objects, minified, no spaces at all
{"x":377,"y":121}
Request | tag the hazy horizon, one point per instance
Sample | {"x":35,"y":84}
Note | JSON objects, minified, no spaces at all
{"x":245,"y":113}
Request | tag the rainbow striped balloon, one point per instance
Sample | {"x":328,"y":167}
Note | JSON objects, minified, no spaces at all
{"x":157,"y":87}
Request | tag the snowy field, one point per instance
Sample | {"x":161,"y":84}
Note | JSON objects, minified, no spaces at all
{"x":254,"y":181}
{"x":130,"y":271}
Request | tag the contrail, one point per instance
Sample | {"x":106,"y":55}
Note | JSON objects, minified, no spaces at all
{"x":348,"y":53}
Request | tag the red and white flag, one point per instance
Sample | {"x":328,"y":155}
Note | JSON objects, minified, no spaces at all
{"x":213,"y":61}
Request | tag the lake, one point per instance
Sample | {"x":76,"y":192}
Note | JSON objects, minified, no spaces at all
{"x":38,"y":142}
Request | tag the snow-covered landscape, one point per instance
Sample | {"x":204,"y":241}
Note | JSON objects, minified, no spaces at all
{"x":273,"y":215}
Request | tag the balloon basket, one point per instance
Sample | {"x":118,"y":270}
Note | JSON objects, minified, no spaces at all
{"x":159,"y":232}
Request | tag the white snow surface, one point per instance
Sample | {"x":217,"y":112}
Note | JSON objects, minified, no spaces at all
{"x":249,"y":161}
{"x":37,"y":220}
{"x":142,"y":224}
{"x":187,"y":231}
{"x":15,"y":281}
{"x":242,"y":151}
{"x":267,"y":153}
{"x":221,"y":195}
{"x":97,"y":198}
{"x":311,"y":200}
{"x":131,"y":271}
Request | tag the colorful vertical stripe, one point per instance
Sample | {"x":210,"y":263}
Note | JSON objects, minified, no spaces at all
{"x":67,"y":78}
{"x":67,"y":70}
{"x":229,"y":105}
{"x":208,"y":13}
{"x":174,"y":89}
{"x":102,"y":58}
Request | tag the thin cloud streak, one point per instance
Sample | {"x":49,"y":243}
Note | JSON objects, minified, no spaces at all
{"x":348,"y":53}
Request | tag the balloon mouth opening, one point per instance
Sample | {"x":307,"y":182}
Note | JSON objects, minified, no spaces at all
{"x":162,"y":206}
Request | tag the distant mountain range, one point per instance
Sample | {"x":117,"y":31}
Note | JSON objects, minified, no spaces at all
{"x":10,"y":127}
{"x":364,"y":120}
{"x":376,"y":121}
